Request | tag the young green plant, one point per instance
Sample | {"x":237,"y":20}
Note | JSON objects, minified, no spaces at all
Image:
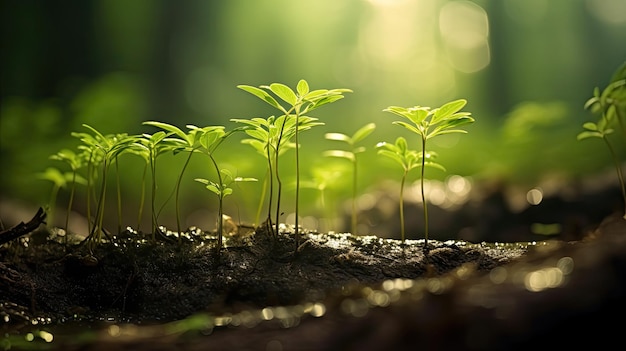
{"x":186,"y":142}
{"x":152,"y":146}
{"x":75,"y":161}
{"x":351,"y":155}
{"x":108,"y":147}
{"x":298,"y":104}
{"x":221,"y":188}
{"x":609,"y":105}
{"x":429,"y":123}
{"x":270,"y":138}
{"x":408,"y":160}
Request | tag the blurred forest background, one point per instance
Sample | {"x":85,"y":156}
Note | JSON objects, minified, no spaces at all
{"x":525,"y":66}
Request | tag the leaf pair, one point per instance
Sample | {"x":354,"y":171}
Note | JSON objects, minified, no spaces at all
{"x":300,"y":101}
{"x":430,"y":123}
{"x":407,"y":158}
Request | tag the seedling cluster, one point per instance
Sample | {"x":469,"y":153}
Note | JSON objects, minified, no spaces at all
{"x":272,"y":137}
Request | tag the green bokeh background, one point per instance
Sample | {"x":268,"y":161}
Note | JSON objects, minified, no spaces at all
{"x":525,"y":66}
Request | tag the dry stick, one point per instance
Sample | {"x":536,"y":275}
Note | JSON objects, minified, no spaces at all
{"x":23,"y":228}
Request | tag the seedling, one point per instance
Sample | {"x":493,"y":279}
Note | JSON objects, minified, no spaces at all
{"x":429,"y":123}
{"x":609,"y":105}
{"x":59,"y":180}
{"x":351,"y":155}
{"x":153,"y":145}
{"x":298,"y":103}
{"x":109,"y":147}
{"x":186,"y":142}
{"x":222,"y":189}
{"x":75,"y":162}
{"x":408,"y":159}
{"x":271,"y":138}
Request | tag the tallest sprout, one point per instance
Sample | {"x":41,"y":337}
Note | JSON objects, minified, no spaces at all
{"x":298,"y":104}
{"x":429,"y":123}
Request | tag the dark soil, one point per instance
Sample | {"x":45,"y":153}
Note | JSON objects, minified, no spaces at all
{"x":338,"y":292}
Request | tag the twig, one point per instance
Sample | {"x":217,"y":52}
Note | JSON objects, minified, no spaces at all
{"x":23,"y":228}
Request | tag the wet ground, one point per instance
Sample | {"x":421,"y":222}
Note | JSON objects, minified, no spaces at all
{"x":339,"y":292}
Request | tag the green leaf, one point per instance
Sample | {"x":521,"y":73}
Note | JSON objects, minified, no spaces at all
{"x":339,"y":153}
{"x":338,"y":137}
{"x":447,"y":110}
{"x":303,"y":87}
{"x":261,"y":94}
{"x":284,"y":92}
{"x":169,"y":128}
{"x":589,"y":134}
{"x":363,"y":132}
{"x":590,"y":126}
{"x":434,"y":165}
{"x":409,"y":127}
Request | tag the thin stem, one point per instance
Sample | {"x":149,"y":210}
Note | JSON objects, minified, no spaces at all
{"x":178,"y":182}
{"x":69,"y":206}
{"x":402,"y":205}
{"x":263,"y":194}
{"x":119,"y":197}
{"x":153,"y":194}
{"x":423,"y":195}
{"x":354,"y":178}
{"x":53,"y":200}
{"x":142,"y":199}
{"x":271,"y":191}
{"x":89,"y":177}
{"x":619,"y":172}
{"x":297,"y":232}
{"x":279,"y":183}
{"x":220,"y":218}
{"x":619,"y":120}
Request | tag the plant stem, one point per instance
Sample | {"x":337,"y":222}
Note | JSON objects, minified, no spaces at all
{"x":354,"y":178}
{"x":279,"y":183}
{"x":220,"y":219}
{"x":271,"y":191}
{"x":423,"y":195}
{"x":619,"y":172}
{"x":263,"y":194}
{"x":143,"y":196}
{"x":119,"y":197}
{"x":297,"y":232}
{"x":69,"y":206}
{"x":178,"y":182}
{"x":153,"y":169}
{"x":402,"y":205}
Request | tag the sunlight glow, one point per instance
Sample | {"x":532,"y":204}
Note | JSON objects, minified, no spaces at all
{"x":464,"y":27}
{"x":608,"y":11}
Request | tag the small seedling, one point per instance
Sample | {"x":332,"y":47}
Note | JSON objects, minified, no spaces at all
{"x":152,"y":146}
{"x":408,"y":159}
{"x":59,"y":180}
{"x":609,"y":106}
{"x":186,"y":142}
{"x":351,"y":155}
{"x":75,"y":162}
{"x":299,"y":103}
{"x":221,"y":189}
{"x":271,"y":138}
{"x":429,"y":123}
{"x":109,"y":147}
